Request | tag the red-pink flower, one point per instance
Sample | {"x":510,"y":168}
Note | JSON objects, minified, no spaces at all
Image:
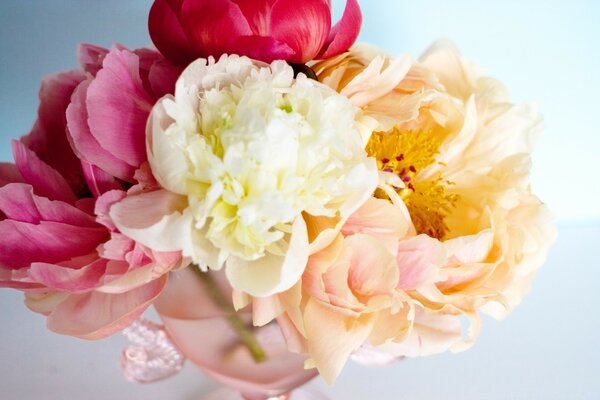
{"x":266,"y":30}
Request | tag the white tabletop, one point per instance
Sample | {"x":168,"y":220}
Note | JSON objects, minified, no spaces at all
{"x":549,"y":349}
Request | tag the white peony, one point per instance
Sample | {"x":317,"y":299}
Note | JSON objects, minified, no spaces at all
{"x":242,"y":150}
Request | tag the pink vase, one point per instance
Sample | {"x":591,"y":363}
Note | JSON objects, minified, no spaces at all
{"x":200,"y":329}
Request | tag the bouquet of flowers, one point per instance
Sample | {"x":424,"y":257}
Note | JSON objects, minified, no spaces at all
{"x":366,"y":202}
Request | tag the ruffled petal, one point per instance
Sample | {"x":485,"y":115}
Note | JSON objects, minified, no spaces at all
{"x":118,"y":107}
{"x":85,"y":145}
{"x":419,"y":261}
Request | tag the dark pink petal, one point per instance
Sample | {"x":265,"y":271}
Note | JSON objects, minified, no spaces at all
{"x":262,"y":48}
{"x":345,"y":32}
{"x":167,"y":33}
{"x":212,"y":26}
{"x":85,"y":144}
{"x":58,"y":277}
{"x":162,"y":78}
{"x":48,"y":138}
{"x":118,"y":107}
{"x":50,"y":242}
{"x":257,"y":14}
{"x":45,"y":180}
{"x":19,"y":203}
{"x":91,"y":57}
{"x":98,"y":180}
{"x":9,"y":174}
{"x":97,"y":315}
{"x":304,"y":27}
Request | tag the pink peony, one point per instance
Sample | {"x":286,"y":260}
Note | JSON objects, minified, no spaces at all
{"x":108,"y":112}
{"x":60,"y":245}
{"x":266,"y":30}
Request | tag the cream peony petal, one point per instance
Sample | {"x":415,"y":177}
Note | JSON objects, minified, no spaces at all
{"x":158,"y":220}
{"x":272,"y":274}
{"x":168,"y":162}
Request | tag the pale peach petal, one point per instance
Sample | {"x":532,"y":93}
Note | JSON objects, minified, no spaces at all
{"x":373,"y":268}
{"x":380,"y":219}
{"x":329,"y":352}
{"x":419,"y":261}
{"x":431,"y":334}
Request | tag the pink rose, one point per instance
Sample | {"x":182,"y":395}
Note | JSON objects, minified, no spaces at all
{"x":184,"y":30}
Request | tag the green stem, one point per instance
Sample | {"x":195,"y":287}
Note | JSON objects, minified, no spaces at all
{"x":235,"y":322}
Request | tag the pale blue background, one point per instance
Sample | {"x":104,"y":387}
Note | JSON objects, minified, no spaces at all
{"x":544,"y":51}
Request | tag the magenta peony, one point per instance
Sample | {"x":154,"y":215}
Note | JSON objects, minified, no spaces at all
{"x":266,"y":30}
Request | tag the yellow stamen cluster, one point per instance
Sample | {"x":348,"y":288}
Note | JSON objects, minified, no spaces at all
{"x":405,"y":154}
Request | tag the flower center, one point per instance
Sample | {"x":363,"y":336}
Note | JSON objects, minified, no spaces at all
{"x":405,"y":154}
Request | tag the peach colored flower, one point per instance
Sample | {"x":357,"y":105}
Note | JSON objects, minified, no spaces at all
{"x":463,"y":151}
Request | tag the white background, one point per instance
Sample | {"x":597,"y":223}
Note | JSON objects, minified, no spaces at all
{"x":547,"y":51}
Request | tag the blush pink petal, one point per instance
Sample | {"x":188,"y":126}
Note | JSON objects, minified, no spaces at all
{"x":45,"y":180}
{"x":345,"y":32}
{"x":303,"y":28}
{"x":85,"y":144}
{"x":48,"y":139}
{"x":96,"y":315}
{"x":167,"y":33}
{"x":118,"y":107}
{"x":419,"y":261}
{"x":380,"y":219}
{"x":373,"y":270}
{"x":212,"y":26}
{"x":60,"y":278}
